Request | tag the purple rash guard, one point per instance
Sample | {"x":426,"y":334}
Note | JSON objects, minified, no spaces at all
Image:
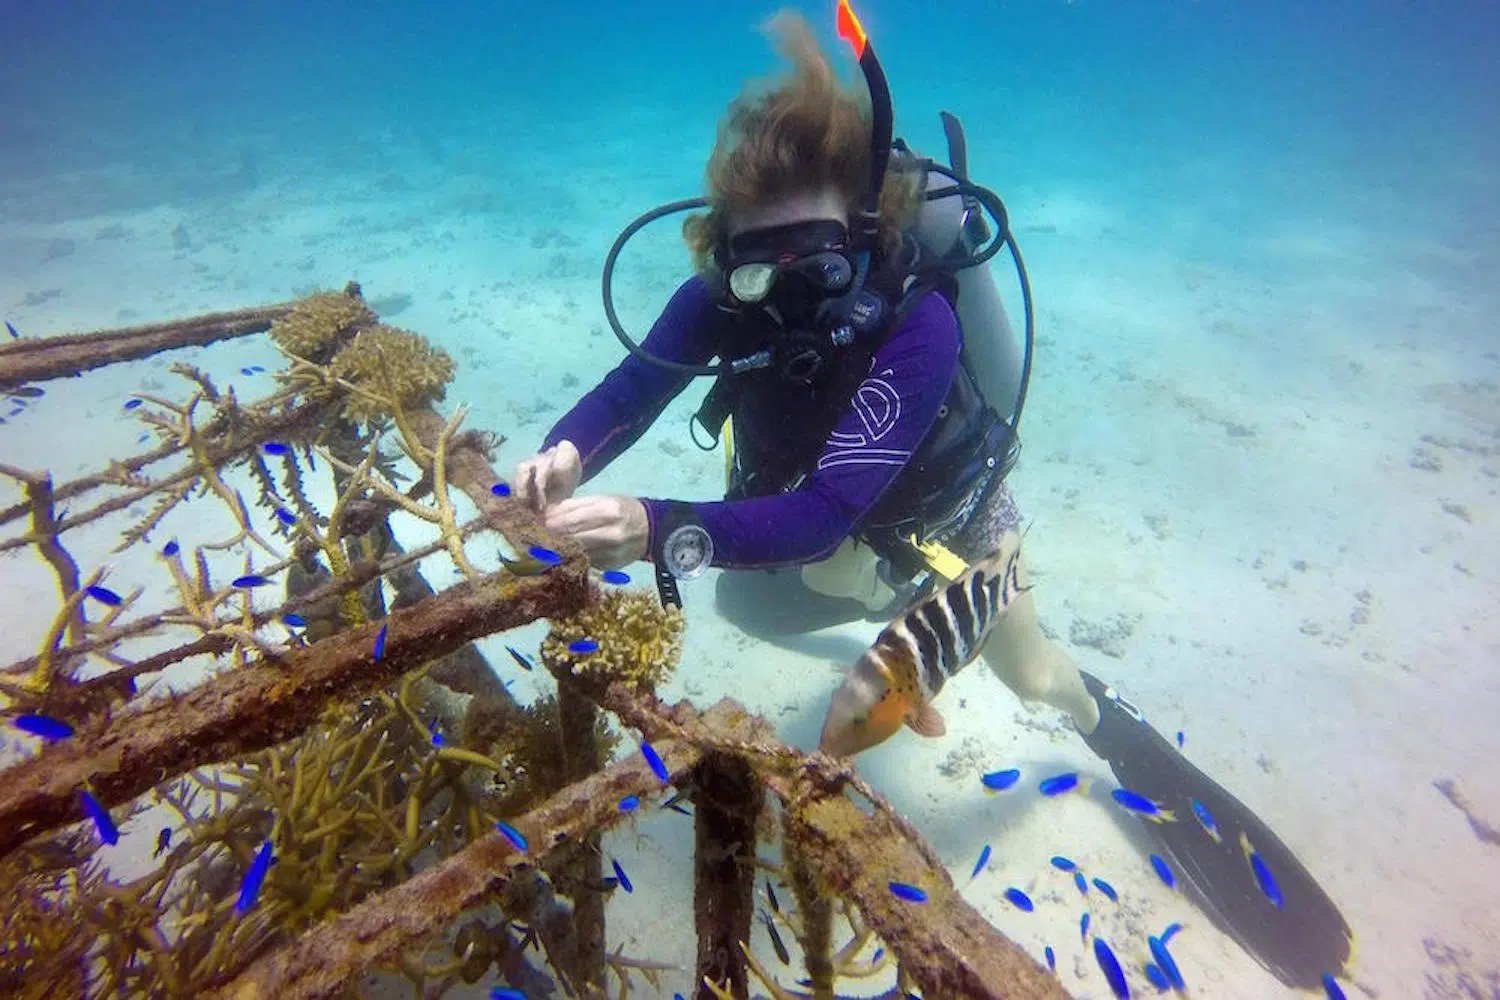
{"x":892,"y":410}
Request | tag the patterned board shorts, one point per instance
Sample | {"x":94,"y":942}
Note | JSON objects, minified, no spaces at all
{"x":995,"y":514}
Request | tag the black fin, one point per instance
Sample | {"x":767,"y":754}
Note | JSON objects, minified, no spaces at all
{"x":1297,"y":942}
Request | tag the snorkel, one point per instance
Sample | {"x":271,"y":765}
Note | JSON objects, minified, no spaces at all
{"x":881,"y":130}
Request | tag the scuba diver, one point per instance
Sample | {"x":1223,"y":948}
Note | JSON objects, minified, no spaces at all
{"x":862,"y":356}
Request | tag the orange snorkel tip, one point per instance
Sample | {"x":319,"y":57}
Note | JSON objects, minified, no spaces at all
{"x":850,"y":30}
{"x":883,"y":115}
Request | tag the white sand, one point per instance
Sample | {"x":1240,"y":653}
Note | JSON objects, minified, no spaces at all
{"x":1264,"y":449}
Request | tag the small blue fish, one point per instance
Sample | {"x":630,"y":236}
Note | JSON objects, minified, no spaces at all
{"x":437,"y":736}
{"x":1157,"y":977}
{"x":132,"y":403}
{"x":512,"y":834}
{"x":1110,"y":966}
{"x":257,"y":369}
{"x":1083,"y":926}
{"x":254,"y":876}
{"x":285,"y":516}
{"x":163,"y":841}
{"x":999,"y":781}
{"x":620,"y":874}
{"x":108,"y":832}
{"x":247,"y":370}
{"x":1206,"y":819}
{"x":910,"y":893}
{"x":275,"y":448}
{"x":104,"y":595}
{"x":10,"y":328}
{"x":249,"y":580}
{"x":1263,"y":876}
{"x":1081,"y":882}
{"x":1140,"y":805}
{"x":546,"y":555}
{"x":1163,"y":871}
{"x":1058,"y":783}
{"x":506,"y":993}
{"x":1051,"y":957}
{"x":1019,"y":900}
{"x":629,"y":803}
{"x":1180,"y":739}
{"x":500,"y":489}
{"x":1107,"y":889}
{"x":984,"y":859}
{"x":294,"y":620}
{"x":171,"y":549}
{"x":379,"y":649}
{"x":1170,"y":932}
{"x":519,"y":657}
{"x":1166,"y":962}
{"x":1063,"y":864}
{"x":1332,"y":988}
{"x":583,"y":646}
{"x":658,"y":766}
{"x":614,"y":576}
{"x":44,"y":726}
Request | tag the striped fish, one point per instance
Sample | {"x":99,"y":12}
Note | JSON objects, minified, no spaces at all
{"x":895,"y":681}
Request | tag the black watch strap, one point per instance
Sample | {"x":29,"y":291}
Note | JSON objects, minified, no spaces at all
{"x":681,"y":550}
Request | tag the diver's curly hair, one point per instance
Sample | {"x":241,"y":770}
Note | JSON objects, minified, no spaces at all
{"x":806,"y":133}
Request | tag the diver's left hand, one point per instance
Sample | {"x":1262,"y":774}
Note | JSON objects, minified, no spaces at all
{"x":612,"y":529}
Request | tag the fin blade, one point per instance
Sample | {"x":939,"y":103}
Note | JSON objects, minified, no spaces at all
{"x":1297,"y":942}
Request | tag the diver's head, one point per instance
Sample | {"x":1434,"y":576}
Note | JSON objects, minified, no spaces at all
{"x":801,"y":187}
{"x":796,"y":151}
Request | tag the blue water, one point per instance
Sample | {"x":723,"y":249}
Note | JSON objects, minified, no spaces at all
{"x":1277,"y":222}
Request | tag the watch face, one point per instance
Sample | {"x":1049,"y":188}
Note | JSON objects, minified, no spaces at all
{"x":688,"y":551}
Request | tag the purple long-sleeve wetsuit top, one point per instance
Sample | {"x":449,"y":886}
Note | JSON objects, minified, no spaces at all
{"x":892,"y":410}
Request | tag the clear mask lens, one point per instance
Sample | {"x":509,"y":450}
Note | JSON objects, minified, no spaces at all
{"x":752,"y":282}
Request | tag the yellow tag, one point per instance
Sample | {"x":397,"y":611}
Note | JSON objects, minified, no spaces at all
{"x":726,"y":434}
{"x":942,"y":559}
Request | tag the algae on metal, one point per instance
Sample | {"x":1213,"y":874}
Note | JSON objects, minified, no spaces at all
{"x":378,"y":789}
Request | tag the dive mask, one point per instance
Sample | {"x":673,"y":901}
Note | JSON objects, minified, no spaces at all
{"x":804,"y":264}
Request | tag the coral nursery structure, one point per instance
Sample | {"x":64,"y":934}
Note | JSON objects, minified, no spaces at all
{"x":340,"y":783}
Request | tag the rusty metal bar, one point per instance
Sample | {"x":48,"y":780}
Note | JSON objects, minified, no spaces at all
{"x":40,"y":358}
{"x":326,"y":960}
{"x":263,"y":704}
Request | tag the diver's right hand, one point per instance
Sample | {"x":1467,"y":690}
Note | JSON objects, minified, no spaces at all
{"x":550,"y":475}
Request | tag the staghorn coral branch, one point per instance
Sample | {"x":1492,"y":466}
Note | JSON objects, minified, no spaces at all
{"x":325,"y":961}
{"x":80,"y":698}
{"x":440,"y":512}
{"x":129,"y":752}
{"x":470,"y":470}
{"x":273,"y":425}
{"x":44,"y":531}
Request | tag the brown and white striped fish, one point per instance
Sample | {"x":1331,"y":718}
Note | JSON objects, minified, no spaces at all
{"x":897,"y":678}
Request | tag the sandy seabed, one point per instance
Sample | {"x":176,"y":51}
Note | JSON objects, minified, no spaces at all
{"x":1261,"y":478}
